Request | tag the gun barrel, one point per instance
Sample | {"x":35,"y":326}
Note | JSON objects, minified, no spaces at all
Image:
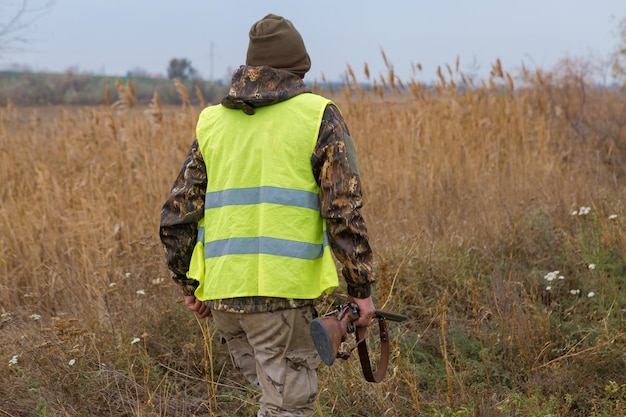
{"x":388,"y":315}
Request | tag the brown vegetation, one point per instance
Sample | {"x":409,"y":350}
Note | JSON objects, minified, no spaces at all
{"x":475,"y":194}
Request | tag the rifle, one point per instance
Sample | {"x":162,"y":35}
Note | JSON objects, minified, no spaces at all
{"x":330,"y":331}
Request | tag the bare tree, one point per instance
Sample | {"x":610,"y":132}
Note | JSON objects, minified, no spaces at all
{"x":16,"y":19}
{"x":182,"y":69}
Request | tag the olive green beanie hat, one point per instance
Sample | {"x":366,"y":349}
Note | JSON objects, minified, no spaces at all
{"x":275,"y":42}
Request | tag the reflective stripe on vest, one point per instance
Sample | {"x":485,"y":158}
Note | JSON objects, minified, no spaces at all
{"x":258,"y":195}
{"x":264,"y":245}
{"x":200,"y":238}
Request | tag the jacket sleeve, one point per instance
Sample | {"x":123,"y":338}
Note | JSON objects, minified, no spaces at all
{"x":335,"y":168}
{"x":180,"y":215}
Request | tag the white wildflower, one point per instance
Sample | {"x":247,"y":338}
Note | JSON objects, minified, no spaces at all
{"x":135,"y":340}
{"x":548,"y":288}
{"x":574,"y":292}
{"x":13,"y":360}
{"x":591,"y":294}
{"x":551,"y":276}
{"x":141,"y":292}
{"x":72,"y":362}
{"x":584,"y":210}
{"x":574,"y":213}
{"x":613,"y":217}
{"x":592,"y":266}
{"x":127,"y":275}
{"x":112,"y":284}
{"x":35,"y":317}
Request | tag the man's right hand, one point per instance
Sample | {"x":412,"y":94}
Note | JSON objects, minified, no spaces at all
{"x":197,"y":306}
{"x":366,"y":311}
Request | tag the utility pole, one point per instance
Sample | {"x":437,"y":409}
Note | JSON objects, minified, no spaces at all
{"x":211,"y":61}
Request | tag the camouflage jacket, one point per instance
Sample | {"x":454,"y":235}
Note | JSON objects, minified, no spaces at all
{"x":334,"y":167}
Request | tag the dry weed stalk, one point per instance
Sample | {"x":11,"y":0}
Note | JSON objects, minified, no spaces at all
{"x":496,"y":69}
{"x":212,"y":381}
{"x":130,"y":87}
{"x":352,"y":78}
{"x":572,"y":353}
{"x":155,"y":112}
{"x":480,"y":314}
{"x":182,"y":92}
{"x":200,"y":97}
{"x":127,"y":97}
{"x":107,"y":95}
{"x":510,"y":82}
{"x":389,"y":289}
{"x":366,"y":71}
{"x":442,"y":309}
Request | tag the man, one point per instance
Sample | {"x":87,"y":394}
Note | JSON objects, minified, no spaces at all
{"x":272,"y":176}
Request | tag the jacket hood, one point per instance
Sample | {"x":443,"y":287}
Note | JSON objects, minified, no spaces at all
{"x":259,"y":86}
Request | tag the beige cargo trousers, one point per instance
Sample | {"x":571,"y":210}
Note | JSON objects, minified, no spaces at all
{"x":274,"y":351}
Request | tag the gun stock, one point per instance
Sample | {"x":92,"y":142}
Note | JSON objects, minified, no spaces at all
{"x":330,"y":331}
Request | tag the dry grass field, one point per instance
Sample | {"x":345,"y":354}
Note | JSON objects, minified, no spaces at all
{"x":496,"y":211}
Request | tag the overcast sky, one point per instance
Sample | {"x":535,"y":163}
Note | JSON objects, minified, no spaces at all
{"x":112,"y":37}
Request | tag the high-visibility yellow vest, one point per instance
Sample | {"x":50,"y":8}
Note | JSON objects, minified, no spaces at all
{"x":263,"y":231}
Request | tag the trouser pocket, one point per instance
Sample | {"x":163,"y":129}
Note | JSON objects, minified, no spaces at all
{"x":300,"y":388}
